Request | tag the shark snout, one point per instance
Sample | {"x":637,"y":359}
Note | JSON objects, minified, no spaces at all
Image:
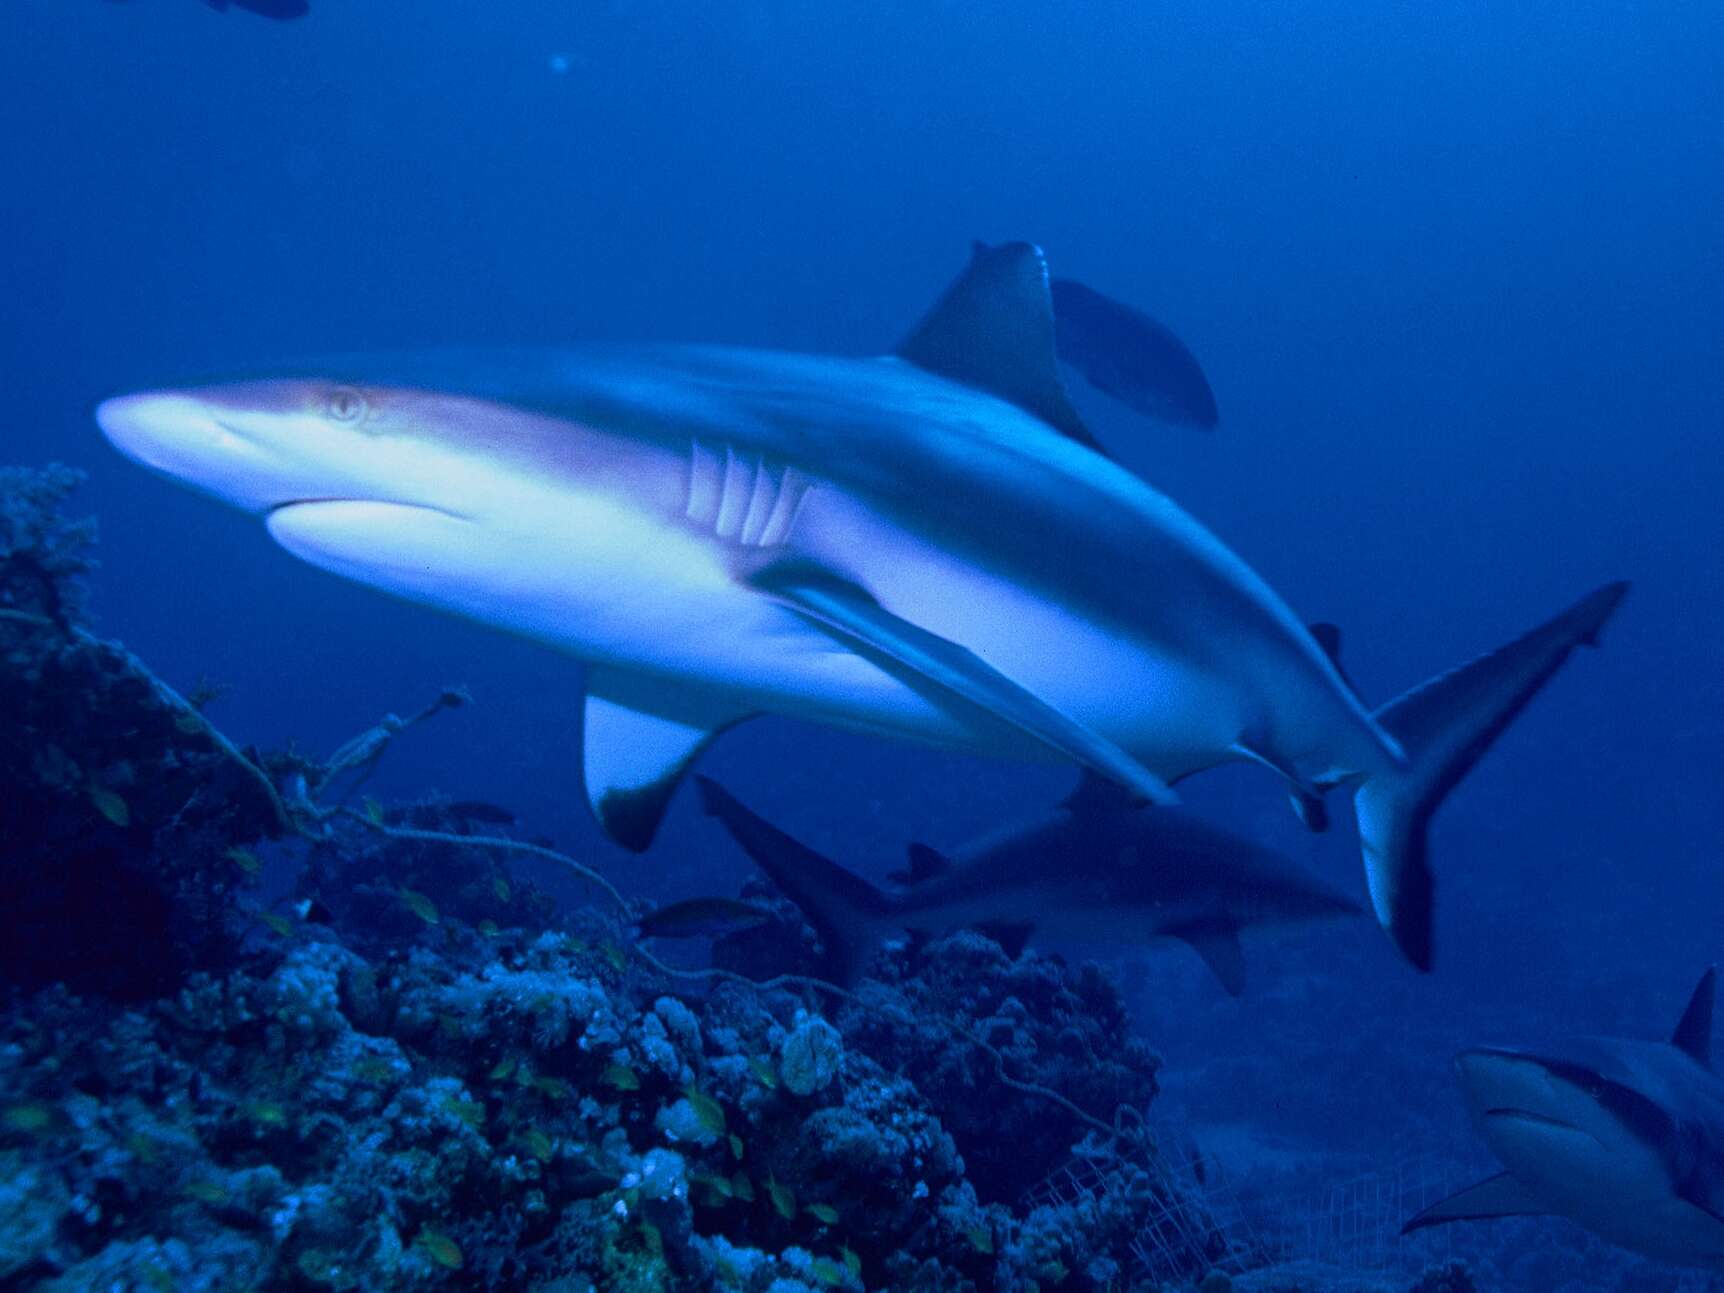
{"x":184,"y":436}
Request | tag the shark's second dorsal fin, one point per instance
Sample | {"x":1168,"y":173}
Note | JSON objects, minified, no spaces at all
{"x":994,"y":330}
{"x":1693,"y":1035}
{"x":925,"y":863}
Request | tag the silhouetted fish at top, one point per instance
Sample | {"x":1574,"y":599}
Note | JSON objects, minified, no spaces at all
{"x":282,"y":10}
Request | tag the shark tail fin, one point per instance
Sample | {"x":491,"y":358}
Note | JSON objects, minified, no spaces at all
{"x":1445,"y":725}
{"x":851,"y":916}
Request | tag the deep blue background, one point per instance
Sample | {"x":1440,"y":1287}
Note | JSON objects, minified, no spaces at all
{"x":1454,"y":271}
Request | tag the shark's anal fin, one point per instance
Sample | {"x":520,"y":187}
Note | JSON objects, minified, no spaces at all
{"x":1693,"y":1035}
{"x":1218,"y":945}
{"x":1496,"y":1196}
{"x":637,"y":743}
{"x":852,"y":615}
{"x":1011,"y":935}
{"x":994,"y":330}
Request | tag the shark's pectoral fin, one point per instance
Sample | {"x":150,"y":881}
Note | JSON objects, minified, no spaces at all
{"x":1497,"y":1196}
{"x":1218,"y":945}
{"x":638,"y":741}
{"x":852,"y":615}
{"x":1011,"y":935}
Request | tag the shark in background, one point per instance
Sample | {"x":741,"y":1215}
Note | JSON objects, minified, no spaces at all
{"x":928,"y":544}
{"x":1100,"y":867}
{"x":1624,"y":1137}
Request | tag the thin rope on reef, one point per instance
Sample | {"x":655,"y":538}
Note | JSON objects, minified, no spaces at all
{"x":1117,"y":1130}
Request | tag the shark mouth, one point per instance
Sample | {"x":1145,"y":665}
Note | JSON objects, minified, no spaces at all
{"x":335,"y":500}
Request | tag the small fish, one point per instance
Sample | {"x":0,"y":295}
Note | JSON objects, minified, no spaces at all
{"x":763,"y":1074}
{"x":502,"y":1069}
{"x":281,"y":926}
{"x":824,"y":1213}
{"x":471,"y":1112}
{"x":554,"y":1087}
{"x":782,"y":1198}
{"x":851,"y":1260}
{"x":707,"y":1111}
{"x":980,"y":1237}
{"x":622,"y":1077}
{"x":420,"y":906}
{"x":500,"y":887}
{"x":245,"y":860}
{"x":440,"y":1248}
{"x":111,"y":806}
{"x":267,"y":1113}
{"x":742,"y":1187}
{"x":827,"y":1271}
{"x":539,"y":1145}
{"x":34,"y":1118}
{"x":488,"y":928}
{"x":207,"y":1192}
{"x":701,"y":918}
{"x":719,"y":1185}
{"x":477,"y":810}
{"x":735,"y":1145}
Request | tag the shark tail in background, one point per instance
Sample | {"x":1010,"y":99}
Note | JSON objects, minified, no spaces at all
{"x":851,"y":916}
{"x":1445,"y":725}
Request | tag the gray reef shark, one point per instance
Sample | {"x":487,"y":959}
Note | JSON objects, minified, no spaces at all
{"x":927,"y":544}
{"x":1103,"y":866}
{"x":1624,"y":1137}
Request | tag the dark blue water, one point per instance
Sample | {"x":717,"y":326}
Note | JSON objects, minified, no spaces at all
{"x":1453,"y":270}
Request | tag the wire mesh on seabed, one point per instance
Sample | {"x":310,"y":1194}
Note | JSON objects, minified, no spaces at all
{"x":1355,"y":1224}
{"x":1194,"y":1223}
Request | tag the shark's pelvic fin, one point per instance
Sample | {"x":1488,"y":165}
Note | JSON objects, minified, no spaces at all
{"x":1445,"y":725}
{"x":1497,"y":1196}
{"x":851,"y":916}
{"x":851,"y":614}
{"x":994,"y":330}
{"x":1218,"y":945}
{"x":1693,"y":1035}
{"x":1127,"y":355}
{"x":635,"y":750}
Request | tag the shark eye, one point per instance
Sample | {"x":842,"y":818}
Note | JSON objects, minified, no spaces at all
{"x":345,"y":405}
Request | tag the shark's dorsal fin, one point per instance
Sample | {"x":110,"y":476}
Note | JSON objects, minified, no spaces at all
{"x":1693,"y":1035}
{"x":1496,"y":1196}
{"x":1095,"y":793}
{"x":635,"y":749}
{"x":994,"y":330}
